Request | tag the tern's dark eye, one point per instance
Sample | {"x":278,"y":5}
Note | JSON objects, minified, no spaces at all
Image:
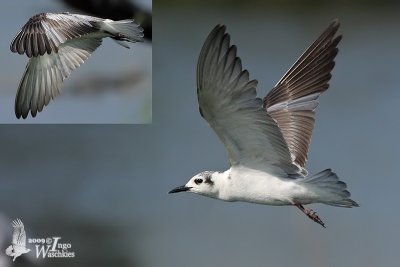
{"x":198,"y":181}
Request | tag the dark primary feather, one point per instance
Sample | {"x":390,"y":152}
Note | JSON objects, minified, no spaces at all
{"x":43,"y":33}
{"x":292,"y":101}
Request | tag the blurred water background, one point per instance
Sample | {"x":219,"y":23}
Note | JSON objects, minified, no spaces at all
{"x":104,"y":188}
{"x":112,"y":86}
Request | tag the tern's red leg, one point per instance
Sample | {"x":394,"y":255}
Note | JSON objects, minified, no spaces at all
{"x":311,"y":214}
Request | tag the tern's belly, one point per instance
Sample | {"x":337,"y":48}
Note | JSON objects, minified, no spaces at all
{"x":265,"y":200}
{"x":262,"y":188}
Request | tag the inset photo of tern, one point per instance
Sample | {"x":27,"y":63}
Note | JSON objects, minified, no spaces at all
{"x":58,"y":43}
{"x":267,"y":139}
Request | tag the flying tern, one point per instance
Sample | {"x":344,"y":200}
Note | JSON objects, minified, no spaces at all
{"x":266,"y":140}
{"x":56,"y":44}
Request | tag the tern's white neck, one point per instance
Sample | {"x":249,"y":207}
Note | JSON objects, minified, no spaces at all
{"x":222,"y":183}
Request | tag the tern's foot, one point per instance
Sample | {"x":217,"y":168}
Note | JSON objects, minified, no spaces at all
{"x":311,"y":214}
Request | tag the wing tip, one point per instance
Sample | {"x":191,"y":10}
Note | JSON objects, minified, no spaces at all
{"x":332,"y":30}
{"x":219,"y":29}
{"x":17,"y":223}
{"x":12,"y":48}
{"x":220,"y":26}
{"x":335,"y":23}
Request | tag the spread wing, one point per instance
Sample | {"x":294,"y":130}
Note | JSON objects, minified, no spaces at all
{"x":44,"y":75}
{"x":45,"y":32}
{"x":228,"y":102}
{"x":19,"y":236}
{"x":291,"y":103}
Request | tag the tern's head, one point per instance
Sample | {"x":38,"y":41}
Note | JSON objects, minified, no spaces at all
{"x":202,"y":183}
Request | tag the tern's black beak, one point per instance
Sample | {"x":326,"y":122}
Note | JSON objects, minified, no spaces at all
{"x":181,"y":188}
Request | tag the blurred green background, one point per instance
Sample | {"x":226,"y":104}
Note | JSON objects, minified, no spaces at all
{"x":104,"y":188}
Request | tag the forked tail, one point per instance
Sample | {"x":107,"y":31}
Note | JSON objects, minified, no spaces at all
{"x":331,"y":190}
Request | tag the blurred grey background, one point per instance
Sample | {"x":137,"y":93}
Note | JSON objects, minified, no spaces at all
{"x":104,"y":188}
{"x":113,"y":86}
